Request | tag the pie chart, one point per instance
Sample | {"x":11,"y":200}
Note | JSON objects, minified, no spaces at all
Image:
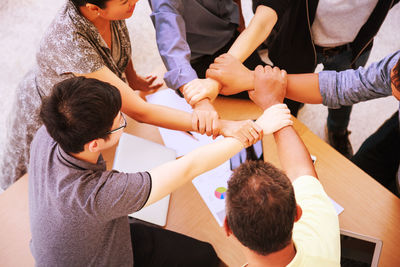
{"x":220,"y":193}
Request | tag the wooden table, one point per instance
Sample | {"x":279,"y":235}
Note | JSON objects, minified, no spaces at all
{"x":369,"y":208}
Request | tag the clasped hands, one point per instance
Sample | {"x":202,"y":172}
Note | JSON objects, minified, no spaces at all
{"x":266,"y":86}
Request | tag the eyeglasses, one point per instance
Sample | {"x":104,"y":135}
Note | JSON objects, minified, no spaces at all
{"x":122,"y":125}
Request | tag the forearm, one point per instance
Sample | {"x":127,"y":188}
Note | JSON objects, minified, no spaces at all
{"x":172,"y":175}
{"x":293,"y":154}
{"x":171,"y":42}
{"x":136,"y":108}
{"x":300,"y":87}
{"x":257,"y":32}
{"x":131,"y":75}
{"x":304,"y":88}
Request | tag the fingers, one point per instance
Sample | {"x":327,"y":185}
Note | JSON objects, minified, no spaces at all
{"x":216,"y":128}
{"x":194,"y":92}
{"x":195,"y":98}
{"x":155,"y":86}
{"x":208,"y":124}
{"x":213,"y":72}
{"x":222,"y":58}
{"x":243,"y":139}
{"x":283,"y":74}
{"x":195,"y":122}
{"x":259,"y":70}
{"x":150,"y":79}
{"x":258,"y":130}
{"x":201,"y":123}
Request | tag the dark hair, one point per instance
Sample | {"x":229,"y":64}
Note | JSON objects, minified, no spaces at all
{"x":99,"y":3}
{"x":80,"y":110}
{"x":261,"y":207}
{"x":396,"y":76}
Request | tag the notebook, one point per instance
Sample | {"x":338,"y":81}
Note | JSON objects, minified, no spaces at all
{"x":135,"y":154}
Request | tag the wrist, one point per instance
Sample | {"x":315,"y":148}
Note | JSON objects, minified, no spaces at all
{"x":204,"y":103}
{"x":269,"y":103}
{"x":216,"y":85}
{"x":250,"y":80}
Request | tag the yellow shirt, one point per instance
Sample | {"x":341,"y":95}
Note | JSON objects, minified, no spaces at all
{"x":316,"y":235}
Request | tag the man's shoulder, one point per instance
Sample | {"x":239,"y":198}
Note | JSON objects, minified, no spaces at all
{"x":42,"y":137}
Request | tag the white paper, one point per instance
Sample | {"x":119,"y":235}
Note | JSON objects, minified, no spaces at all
{"x":207,"y":185}
{"x":339,"y":209}
{"x":169,"y":98}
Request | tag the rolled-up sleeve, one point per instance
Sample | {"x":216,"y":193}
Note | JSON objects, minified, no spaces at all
{"x":171,"y":41}
{"x":352,"y":86}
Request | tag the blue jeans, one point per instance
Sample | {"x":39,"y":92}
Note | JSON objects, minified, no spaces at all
{"x":338,"y":119}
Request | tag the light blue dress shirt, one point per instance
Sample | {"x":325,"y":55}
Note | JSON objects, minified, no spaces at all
{"x":352,"y":86}
{"x":348,"y":87}
{"x":189,"y":29}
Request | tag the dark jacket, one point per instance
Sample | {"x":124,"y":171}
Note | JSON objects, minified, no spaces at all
{"x":290,"y":45}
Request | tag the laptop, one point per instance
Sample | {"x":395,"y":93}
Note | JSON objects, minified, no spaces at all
{"x":359,"y":250}
{"x":135,"y":154}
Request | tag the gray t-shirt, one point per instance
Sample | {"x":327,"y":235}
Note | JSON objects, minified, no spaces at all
{"x":78,"y":210}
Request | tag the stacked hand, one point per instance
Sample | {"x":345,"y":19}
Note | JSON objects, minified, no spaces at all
{"x":275,"y":118}
{"x":231,"y":74}
{"x":205,"y":119}
{"x":199,"y":89}
{"x":247,"y":131}
{"x":269,"y":86}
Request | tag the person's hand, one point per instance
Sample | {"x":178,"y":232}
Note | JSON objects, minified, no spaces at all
{"x":205,"y":118}
{"x":247,"y":131}
{"x":146,"y":84}
{"x":274,"y":118}
{"x":232,"y":74}
{"x":269,"y":86}
{"x":199,"y":89}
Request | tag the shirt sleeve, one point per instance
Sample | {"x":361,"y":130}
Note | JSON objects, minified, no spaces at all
{"x":279,"y":6}
{"x":318,"y":227}
{"x":352,"y":86}
{"x":119,"y":194}
{"x":171,"y":41}
{"x":75,"y":54}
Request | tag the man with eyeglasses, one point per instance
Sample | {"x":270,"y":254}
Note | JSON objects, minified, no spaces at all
{"x":78,"y":209}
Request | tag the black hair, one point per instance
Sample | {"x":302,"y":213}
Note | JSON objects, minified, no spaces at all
{"x":80,"y":110}
{"x":261,"y":207}
{"x":100,"y":3}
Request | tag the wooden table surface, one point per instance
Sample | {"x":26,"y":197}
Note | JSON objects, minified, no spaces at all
{"x":369,"y":208}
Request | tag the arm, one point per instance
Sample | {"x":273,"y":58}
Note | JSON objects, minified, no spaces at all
{"x":138,"y":109}
{"x":235,"y":78}
{"x":294,"y":156}
{"x":257,"y":32}
{"x":171,"y":41}
{"x":170,"y":176}
{"x":138,"y":82}
{"x":175,"y":53}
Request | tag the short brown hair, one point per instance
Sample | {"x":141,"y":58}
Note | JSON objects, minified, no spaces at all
{"x":261,"y":207}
